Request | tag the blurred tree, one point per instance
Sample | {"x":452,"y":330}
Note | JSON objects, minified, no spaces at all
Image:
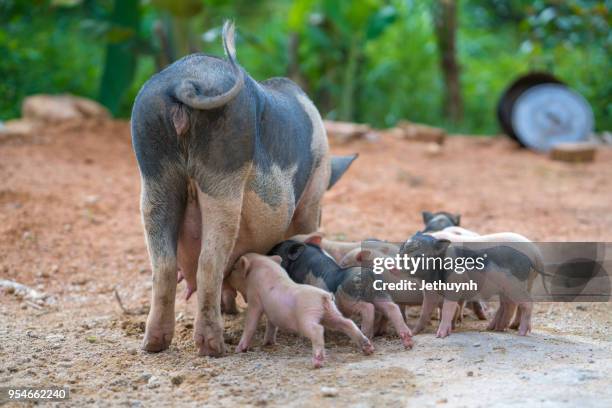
{"x":333,"y":36}
{"x":121,"y":55}
{"x":445,"y":23}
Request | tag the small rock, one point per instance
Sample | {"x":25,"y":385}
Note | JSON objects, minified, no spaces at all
{"x":470,"y":373}
{"x":329,"y":392}
{"x":154,"y":382}
{"x":92,"y":199}
{"x":177,"y":379}
{"x":31,"y":334}
{"x":582,"y":308}
{"x":442,"y":401}
{"x":433,"y":149}
{"x":17,"y":128}
{"x":132,"y":351}
{"x":146,"y":376}
{"x":261,"y":401}
{"x":476,"y":345}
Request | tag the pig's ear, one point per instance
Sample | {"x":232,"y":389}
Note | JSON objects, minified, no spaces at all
{"x":314,"y":239}
{"x":441,"y":245}
{"x":363,"y":255}
{"x":427,"y":216}
{"x":295,"y":251}
{"x":276,"y":259}
{"x":243,"y":266}
{"x":456,"y":219}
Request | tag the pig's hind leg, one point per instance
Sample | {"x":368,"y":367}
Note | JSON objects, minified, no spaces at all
{"x":430,"y":301}
{"x":525,"y":309}
{"x":365,"y":310}
{"x":316,"y":333}
{"x":504,"y":314}
{"x":517,"y":319}
{"x":162,"y":204}
{"x":220,"y":207}
{"x":333,"y":319}
{"x":392,"y":312}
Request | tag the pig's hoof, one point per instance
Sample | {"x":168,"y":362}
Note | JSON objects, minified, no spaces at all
{"x":406,"y":340}
{"x":443,"y":332}
{"x":211,"y":347}
{"x":156,"y":343}
{"x":241,"y":348}
{"x":500,"y":328}
{"x":524,"y":331}
{"x":317,"y":360}
{"x":367,"y":348}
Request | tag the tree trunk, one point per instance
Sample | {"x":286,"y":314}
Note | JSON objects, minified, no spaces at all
{"x":445,"y":22}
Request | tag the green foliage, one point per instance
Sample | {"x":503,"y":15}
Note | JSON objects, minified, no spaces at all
{"x":371,"y":61}
{"x":41,"y":53}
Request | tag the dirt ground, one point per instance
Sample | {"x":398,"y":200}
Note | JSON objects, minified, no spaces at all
{"x":70,"y":227}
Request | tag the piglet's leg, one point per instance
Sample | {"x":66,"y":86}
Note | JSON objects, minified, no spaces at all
{"x":228,"y":300}
{"x":509,"y":307}
{"x":380,"y":324}
{"x":497,"y":317}
{"x":525,"y":309}
{"x":448,"y":314}
{"x":254,"y":312}
{"x":458,"y":318}
{"x":270,"y":336}
{"x":392,"y":312}
{"x":479,"y":308}
{"x":517,"y":319}
{"x":350,"y":306}
{"x":315,"y":332}
{"x":430,"y":300}
{"x":367,"y":313}
{"x":335,"y":321}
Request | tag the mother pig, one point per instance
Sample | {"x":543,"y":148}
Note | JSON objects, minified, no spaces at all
{"x":228,"y":166}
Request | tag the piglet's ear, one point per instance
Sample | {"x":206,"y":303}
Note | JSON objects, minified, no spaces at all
{"x":427,"y":216}
{"x":441,"y":245}
{"x":314,"y":239}
{"x":243,"y":266}
{"x":295,"y":251}
{"x":276,"y":259}
{"x":363,"y":255}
